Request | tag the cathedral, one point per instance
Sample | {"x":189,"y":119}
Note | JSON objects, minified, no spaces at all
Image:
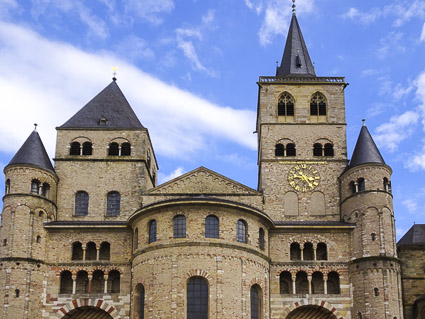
{"x":94,"y":236}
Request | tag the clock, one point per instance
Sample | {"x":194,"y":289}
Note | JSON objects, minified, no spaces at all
{"x":303,"y":177}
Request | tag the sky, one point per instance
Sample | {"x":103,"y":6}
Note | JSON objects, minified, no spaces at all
{"x":189,"y":69}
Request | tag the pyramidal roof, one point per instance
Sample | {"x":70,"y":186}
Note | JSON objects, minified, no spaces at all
{"x":296,"y":60}
{"x":108,"y":109}
{"x":415,"y":236}
{"x":365,"y":150}
{"x":32,"y":152}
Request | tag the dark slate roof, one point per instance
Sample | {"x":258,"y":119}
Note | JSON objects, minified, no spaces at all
{"x":296,"y":60}
{"x":415,"y":236}
{"x":365,"y":150}
{"x":313,"y":223}
{"x":33,"y":152}
{"x":109,"y":104}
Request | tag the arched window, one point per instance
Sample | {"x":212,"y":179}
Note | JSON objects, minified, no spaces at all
{"x":333,"y":283}
{"x":139,"y":302}
{"x":105,"y":251}
{"x":152,"y":231}
{"x":279,"y":150}
{"x":353,"y":187}
{"x":308,"y":251}
{"x":125,"y":149}
{"x":329,"y":149}
{"x":136,"y":239}
{"x":7,"y":187}
{"x":317,"y":283}
{"x":98,"y":282}
{"x":82,"y":282}
{"x":376,"y":292}
{"x":290,"y":149}
{"x":77,"y":251}
{"x":373,"y":236}
{"x":91,"y":252}
{"x":179,"y":226}
{"x":17,"y":293}
{"x":361,"y":185}
{"x":387,"y":185}
{"x":295,"y":251}
{"x":113,"y":282}
{"x":261,"y":239}
{"x":211,"y":226}
{"x":301,"y":283}
{"x":75,"y":149}
{"x":113,"y":204}
{"x":81,"y":203}
{"x":114,"y":149}
{"x":285,"y":106}
{"x":241,"y":234}
{"x":35,"y":186}
{"x":285,"y":282}
{"x":318,"y":104}
{"x":197,"y":298}
{"x":321,"y":252}
{"x":38,"y":239}
{"x":256,"y":306}
{"x":66,"y":283}
{"x":45,"y":190}
{"x":87,"y":148}
{"x":317,"y":149}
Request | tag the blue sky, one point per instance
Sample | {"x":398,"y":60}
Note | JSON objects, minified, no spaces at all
{"x":189,"y":69}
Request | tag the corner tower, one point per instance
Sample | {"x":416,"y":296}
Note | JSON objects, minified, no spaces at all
{"x":301,"y":137}
{"x":105,"y":160}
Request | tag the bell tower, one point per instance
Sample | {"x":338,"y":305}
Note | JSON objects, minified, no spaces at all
{"x":301,"y":136}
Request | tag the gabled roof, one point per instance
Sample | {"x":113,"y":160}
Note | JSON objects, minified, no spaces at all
{"x":415,"y":236}
{"x":365,"y":150}
{"x":32,"y":152}
{"x":296,"y":60}
{"x":202,"y":181}
{"x":108,"y":109}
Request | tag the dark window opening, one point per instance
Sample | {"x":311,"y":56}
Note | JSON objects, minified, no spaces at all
{"x":66,"y":283}
{"x":318,"y":104}
{"x":82,"y":282}
{"x":91,"y":251}
{"x":329,"y":149}
{"x":290,"y":149}
{"x":197,"y":298}
{"x":295,"y":251}
{"x":114,"y":282}
{"x":308,"y":251}
{"x":333,"y":283}
{"x":140,"y":301}
{"x":285,"y":282}
{"x":45,"y":190}
{"x":301,"y":283}
{"x":81,"y":204}
{"x":279,"y":150}
{"x":4,"y":242}
{"x":387,"y":185}
{"x":17,"y":293}
{"x":261,"y":239}
{"x":321,"y":252}
{"x":255,"y":302}
{"x":317,"y":149}
{"x":105,"y":251}
{"x":35,"y":186}
{"x":77,"y":251}
{"x":285,"y":106}
{"x":38,"y":239}
{"x":211,"y":227}
{"x":87,"y":148}
{"x":376,"y":291}
{"x":241,"y":231}
{"x":361,"y":184}
{"x":179,"y":226}
{"x":125,"y":149}
{"x":98,"y":282}
{"x":7,"y":187}
{"x":373,"y":235}
{"x":317,"y":283}
{"x":152,"y":231}
{"x":353,"y":187}
{"x":75,"y":148}
{"x":113,"y":204}
{"x":114,"y":149}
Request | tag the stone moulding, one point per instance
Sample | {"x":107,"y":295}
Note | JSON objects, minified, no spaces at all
{"x":317,"y":302}
{"x":91,"y":302}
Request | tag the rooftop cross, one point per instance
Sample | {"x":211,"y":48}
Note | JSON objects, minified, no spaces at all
{"x":364,"y":122}
{"x":35,"y":126}
{"x":114,"y":73}
{"x":293,"y":7}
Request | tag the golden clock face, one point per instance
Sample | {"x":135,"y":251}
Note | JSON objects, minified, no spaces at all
{"x":303,"y":177}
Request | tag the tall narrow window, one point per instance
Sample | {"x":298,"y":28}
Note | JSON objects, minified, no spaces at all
{"x":91,"y":252}
{"x":329,"y":149}
{"x":7,"y":187}
{"x":387,"y":185}
{"x":125,"y":149}
{"x":333,"y":283}
{"x":321,"y":252}
{"x":87,"y":148}
{"x":285,"y":282}
{"x":136,"y":239}
{"x":295,"y":251}
{"x":197,"y":298}
{"x":114,"y":149}
{"x":113,"y":204}
{"x":82,"y":282}
{"x":35,"y":186}
{"x":279,"y":150}
{"x":290,"y":149}
{"x":301,"y":283}
{"x":255,"y":302}
{"x":317,"y":149}
{"x":105,"y":251}
{"x":308,"y":252}
{"x":285,"y":105}
{"x":98,"y":282}
{"x":81,"y":203}
{"x":66,"y":283}
{"x":211,"y":227}
{"x":318,"y":104}
{"x":114,"y":282}
{"x":180,"y":226}
{"x":77,"y":251}
{"x":140,"y":301}
{"x":241,"y":231}
{"x":75,"y":148}
{"x":261,"y":240}
{"x":361,"y":184}
{"x":45,"y":190}
{"x":317,"y":283}
{"x":152,"y":231}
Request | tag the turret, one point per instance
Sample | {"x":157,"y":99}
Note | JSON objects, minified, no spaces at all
{"x":366,"y":200}
{"x":29,"y":201}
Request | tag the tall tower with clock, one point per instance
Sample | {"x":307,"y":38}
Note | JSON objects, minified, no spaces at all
{"x":301,"y":137}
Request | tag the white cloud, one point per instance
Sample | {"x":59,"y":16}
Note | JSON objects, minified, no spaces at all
{"x":53,"y":80}
{"x":135,"y":48}
{"x":422,"y":38}
{"x":6,"y":6}
{"x":390,"y":135}
{"x":390,"y":44}
{"x":149,"y":9}
{"x":162,"y":178}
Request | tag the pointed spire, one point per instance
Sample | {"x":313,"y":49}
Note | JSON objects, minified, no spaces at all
{"x":32,"y":152}
{"x":365,"y":150}
{"x":296,"y":60}
{"x":108,"y":109}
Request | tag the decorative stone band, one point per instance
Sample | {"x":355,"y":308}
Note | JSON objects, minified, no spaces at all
{"x":86,"y":302}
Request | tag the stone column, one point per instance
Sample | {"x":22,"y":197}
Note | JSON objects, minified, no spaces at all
{"x":325,"y":282}
{"x":315,"y":251}
{"x":302,"y":253}
{"x":90,"y":276}
{"x":105,"y":278}
{"x":294,"y":287}
{"x":84,"y":253}
{"x":97,"y":253}
{"x":309,"y":278}
{"x":74,"y":284}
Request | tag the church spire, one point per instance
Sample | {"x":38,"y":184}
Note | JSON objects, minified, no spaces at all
{"x":296,"y":60}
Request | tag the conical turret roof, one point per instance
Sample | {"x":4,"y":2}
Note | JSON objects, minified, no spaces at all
{"x":32,"y":152}
{"x":108,"y":109}
{"x":365,"y":150}
{"x":296,"y":60}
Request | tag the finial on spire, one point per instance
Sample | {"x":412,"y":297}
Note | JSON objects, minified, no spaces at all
{"x":114,"y":73}
{"x":364,"y":122}
{"x":35,"y":126}
{"x":293,"y":7}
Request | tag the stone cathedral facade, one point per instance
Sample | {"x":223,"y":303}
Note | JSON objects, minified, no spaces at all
{"x":94,"y":236}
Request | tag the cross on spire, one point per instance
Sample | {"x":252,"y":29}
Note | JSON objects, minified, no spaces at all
{"x":114,"y":73}
{"x":293,"y":7}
